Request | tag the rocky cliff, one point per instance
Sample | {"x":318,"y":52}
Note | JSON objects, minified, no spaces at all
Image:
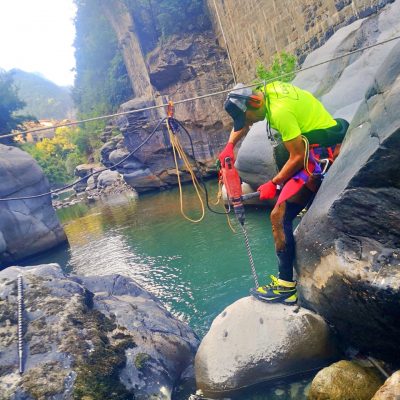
{"x":348,"y":244}
{"x":258,"y":29}
{"x":193,"y":64}
{"x":179,"y":68}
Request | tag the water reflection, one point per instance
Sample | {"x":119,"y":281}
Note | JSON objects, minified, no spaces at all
{"x":196,"y":270}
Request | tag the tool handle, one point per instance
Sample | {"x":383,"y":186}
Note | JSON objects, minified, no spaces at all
{"x":249,"y":196}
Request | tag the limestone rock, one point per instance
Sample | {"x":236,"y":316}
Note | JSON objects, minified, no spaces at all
{"x":89,"y":335}
{"x":178,"y":69}
{"x":344,"y":380}
{"x":28,"y":226}
{"x":255,"y":159}
{"x":349,"y":242}
{"x":252,"y":342}
{"x":108,"y":178}
{"x":390,"y":389}
{"x":341,"y":85}
{"x":82,"y":171}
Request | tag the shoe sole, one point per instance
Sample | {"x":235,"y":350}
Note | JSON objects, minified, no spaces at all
{"x":287,"y":300}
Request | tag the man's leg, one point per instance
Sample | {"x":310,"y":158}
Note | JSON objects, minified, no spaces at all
{"x":283,"y":289}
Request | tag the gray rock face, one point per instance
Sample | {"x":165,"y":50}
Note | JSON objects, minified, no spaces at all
{"x":341,"y":85}
{"x":101,"y":334}
{"x":255,"y":159}
{"x":83,"y":170}
{"x":349,"y":242}
{"x":177,"y":70}
{"x":252,"y":342}
{"x":390,"y":390}
{"x":108,"y":178}
{"x":29,"y":226}
{"x":345,"y":380}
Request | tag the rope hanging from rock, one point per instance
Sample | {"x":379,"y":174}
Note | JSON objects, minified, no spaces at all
{"x":177,"y":149}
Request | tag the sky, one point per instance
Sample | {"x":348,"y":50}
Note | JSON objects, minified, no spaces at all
{"x":37,"y":36}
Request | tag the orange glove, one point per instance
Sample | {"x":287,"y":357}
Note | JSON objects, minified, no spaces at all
{"x":267,"y":190}
{"x":227,"y":152}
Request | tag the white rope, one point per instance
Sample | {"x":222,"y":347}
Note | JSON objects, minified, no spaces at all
{"x":226,"y":42}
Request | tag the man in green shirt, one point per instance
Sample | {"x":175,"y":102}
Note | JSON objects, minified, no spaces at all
{"x":294,"y":113}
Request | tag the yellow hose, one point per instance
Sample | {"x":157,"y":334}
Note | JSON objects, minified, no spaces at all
{"x":178,"y":149}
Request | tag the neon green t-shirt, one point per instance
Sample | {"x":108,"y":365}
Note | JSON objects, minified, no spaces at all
{"x":293,"y":111}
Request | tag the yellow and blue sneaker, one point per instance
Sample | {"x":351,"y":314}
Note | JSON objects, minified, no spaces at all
{"x":278,"y":291}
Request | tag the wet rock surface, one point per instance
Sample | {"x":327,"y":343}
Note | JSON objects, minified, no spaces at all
{"x":88,"y":336}
{"x":252,"y":342}
{"x":345,"y":380}
{"x":348,"y":242}
{"x":390,"y":389}
{"x":28,"y":226}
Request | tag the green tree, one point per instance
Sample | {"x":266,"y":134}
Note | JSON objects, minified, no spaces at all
{"x":102,"y":81}
{"x":9,"y":105}
{"x":283,"y":64}
{"x":59,"y":155}
{"x":156,"y":20}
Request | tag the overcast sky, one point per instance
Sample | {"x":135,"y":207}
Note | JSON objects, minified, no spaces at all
{"x":37,"y":36}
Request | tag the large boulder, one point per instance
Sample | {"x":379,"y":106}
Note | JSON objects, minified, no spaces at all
{"x":345,"y":380}
{"x":390,"y":389}
{"x":252,"y":342}
{"x":255,"y":159}
{"x":27,"y":226}
{"x":348,"y":243}
{"x":89,"y":337}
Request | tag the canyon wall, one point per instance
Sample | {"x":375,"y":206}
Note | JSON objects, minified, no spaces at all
{"x":258,"y":29}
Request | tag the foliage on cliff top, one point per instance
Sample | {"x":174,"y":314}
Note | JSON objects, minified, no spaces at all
{"x":283,"y":64}
{"x":102,"y":81}
{"x":59,"y":155}
{"x":155,"y":20}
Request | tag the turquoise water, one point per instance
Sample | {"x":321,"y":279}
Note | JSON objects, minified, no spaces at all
{"x":195,"y":269}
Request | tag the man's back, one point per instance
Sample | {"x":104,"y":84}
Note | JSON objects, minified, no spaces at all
{"x":293,"y":111}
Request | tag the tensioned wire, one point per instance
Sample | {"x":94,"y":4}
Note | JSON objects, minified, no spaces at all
{"x":163,"y":119}
{"x":208,"y":94}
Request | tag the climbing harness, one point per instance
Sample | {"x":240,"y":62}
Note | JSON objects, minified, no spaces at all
{"x":20,"y":324}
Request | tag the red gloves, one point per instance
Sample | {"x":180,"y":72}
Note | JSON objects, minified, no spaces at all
{"x":227,"y":152}
{"x":267,"y":190}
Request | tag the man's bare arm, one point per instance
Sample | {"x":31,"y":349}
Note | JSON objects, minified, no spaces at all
{"x":235,"y":136}
{"x":295,"y":147}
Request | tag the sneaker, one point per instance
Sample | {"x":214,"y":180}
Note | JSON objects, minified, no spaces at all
{"x":278,"y":291}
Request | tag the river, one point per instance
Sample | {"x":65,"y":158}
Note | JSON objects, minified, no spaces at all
{"x":195,"y":269}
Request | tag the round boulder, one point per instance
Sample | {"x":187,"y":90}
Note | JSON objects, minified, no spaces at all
{"x":390,"y":390}
{"x":30,"y":225}
{"x":252,"y":342}
{"x":108,"y":178}
{"x":345,"y":380}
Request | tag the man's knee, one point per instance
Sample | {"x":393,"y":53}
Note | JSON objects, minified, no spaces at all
{"x":277,"y":215}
